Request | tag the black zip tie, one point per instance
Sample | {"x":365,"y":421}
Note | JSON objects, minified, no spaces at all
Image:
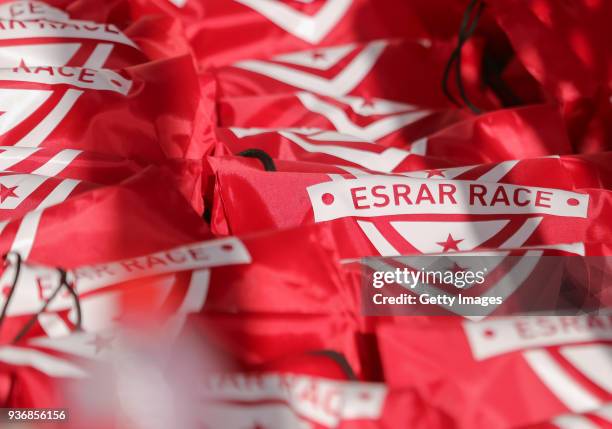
{"x":13,"y":285}
{"x":62,"y":283}
{"x":261,"y":155}
{"x":465,"y":32}
{"x":339,"y":358}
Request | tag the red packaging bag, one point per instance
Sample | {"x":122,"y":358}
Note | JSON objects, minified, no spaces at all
{"x":112,"y":218}
{"x":291,"y":397}
{"x":600,"y":418}
{"x":76,"y":363}
{"x":22,"y":193}
{"x":263,"y":162}
{"x":79,"y":166}
{"x":222,"y":32}
{"x":170,"y":284}
{"x":578,"y":75}
{"x":253,"y":339}
{"x":502,"y":135}
{"x":257,"y":163}
{"x":190,"y":287}
{"x":570,"y":171}
{"x":58,"y":10}
{"x":375,"y":120}
{"x":37,"y":376}
{"x":278,"y":400}
{"x":312,"y":390}
{"x":306,"y":146}
{"x":379,"y":69}
{"x":138,"y":114}
{"x":299,"y":309}
{"x":342,"y":157}
{"x":84,"y":33}
{"x":37,"y":34}
{"x":559,"y":359}
{"x":538,"y":32}
{"x":494,"y":137}
{"x":395,"y":214}
{"x":211,"y":286}
{"x":67,"y":164}
{"x":526,"y":130}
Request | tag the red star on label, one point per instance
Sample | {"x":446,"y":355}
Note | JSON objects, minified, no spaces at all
{"x":318,"y":56}
{"x":433,"y":173}
{"x":368,"y":101}
{"x":450,"y":244}
{"x":101,"y":343}
{"x":489,"y":333}
{"x":7,"y":192}
{"x":364,"y":396}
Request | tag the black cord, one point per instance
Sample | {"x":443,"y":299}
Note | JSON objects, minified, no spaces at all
{"x":207,"y":215}
{"x":62,"y":283}
{"x":339,"y":358}
{"x":261,"y":155}
{"x":466,"y":31}
{"x":77,"y":303}
{"x":13,"y":285}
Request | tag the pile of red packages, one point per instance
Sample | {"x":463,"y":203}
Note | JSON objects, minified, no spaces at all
{"x":191,"y":190}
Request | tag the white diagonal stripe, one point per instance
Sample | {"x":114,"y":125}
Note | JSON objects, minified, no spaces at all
{"x":57,"y":163}
{"x":605,"y":413}
{"x":312,"y":29}
{"x":47,"y":54}
{"x":45,"y":363}
{"x":340,"y":120}
{"x":594,"y":361}
{"x":19,"y":104}
{"x":384,"y":162}
{"x":12,"y":155}
{"x":573,"y":422}
{"x":498,"y":172}
{"x":59,"y":194}
{"x":560,"y":383}
{"x":193,"y":302}
{"x":377,"y":239}
{"x":99,"y":56}
{"x":342,"y":84}
{"x":28,"y":227}
{"x":522,"y":234}
{"x":53,"y":325}
{"x":26,"y":233}
{"x":45,"y":127}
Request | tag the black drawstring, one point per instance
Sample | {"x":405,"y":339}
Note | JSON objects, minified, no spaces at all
{"x":207,"y":215}
{"x":77,"y":303}
{"x":62,"y":283}
{"x":339,"y":358}
{"x":261,"y":155}
{"x":465,"y":32}
{"x":13,"y":284}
